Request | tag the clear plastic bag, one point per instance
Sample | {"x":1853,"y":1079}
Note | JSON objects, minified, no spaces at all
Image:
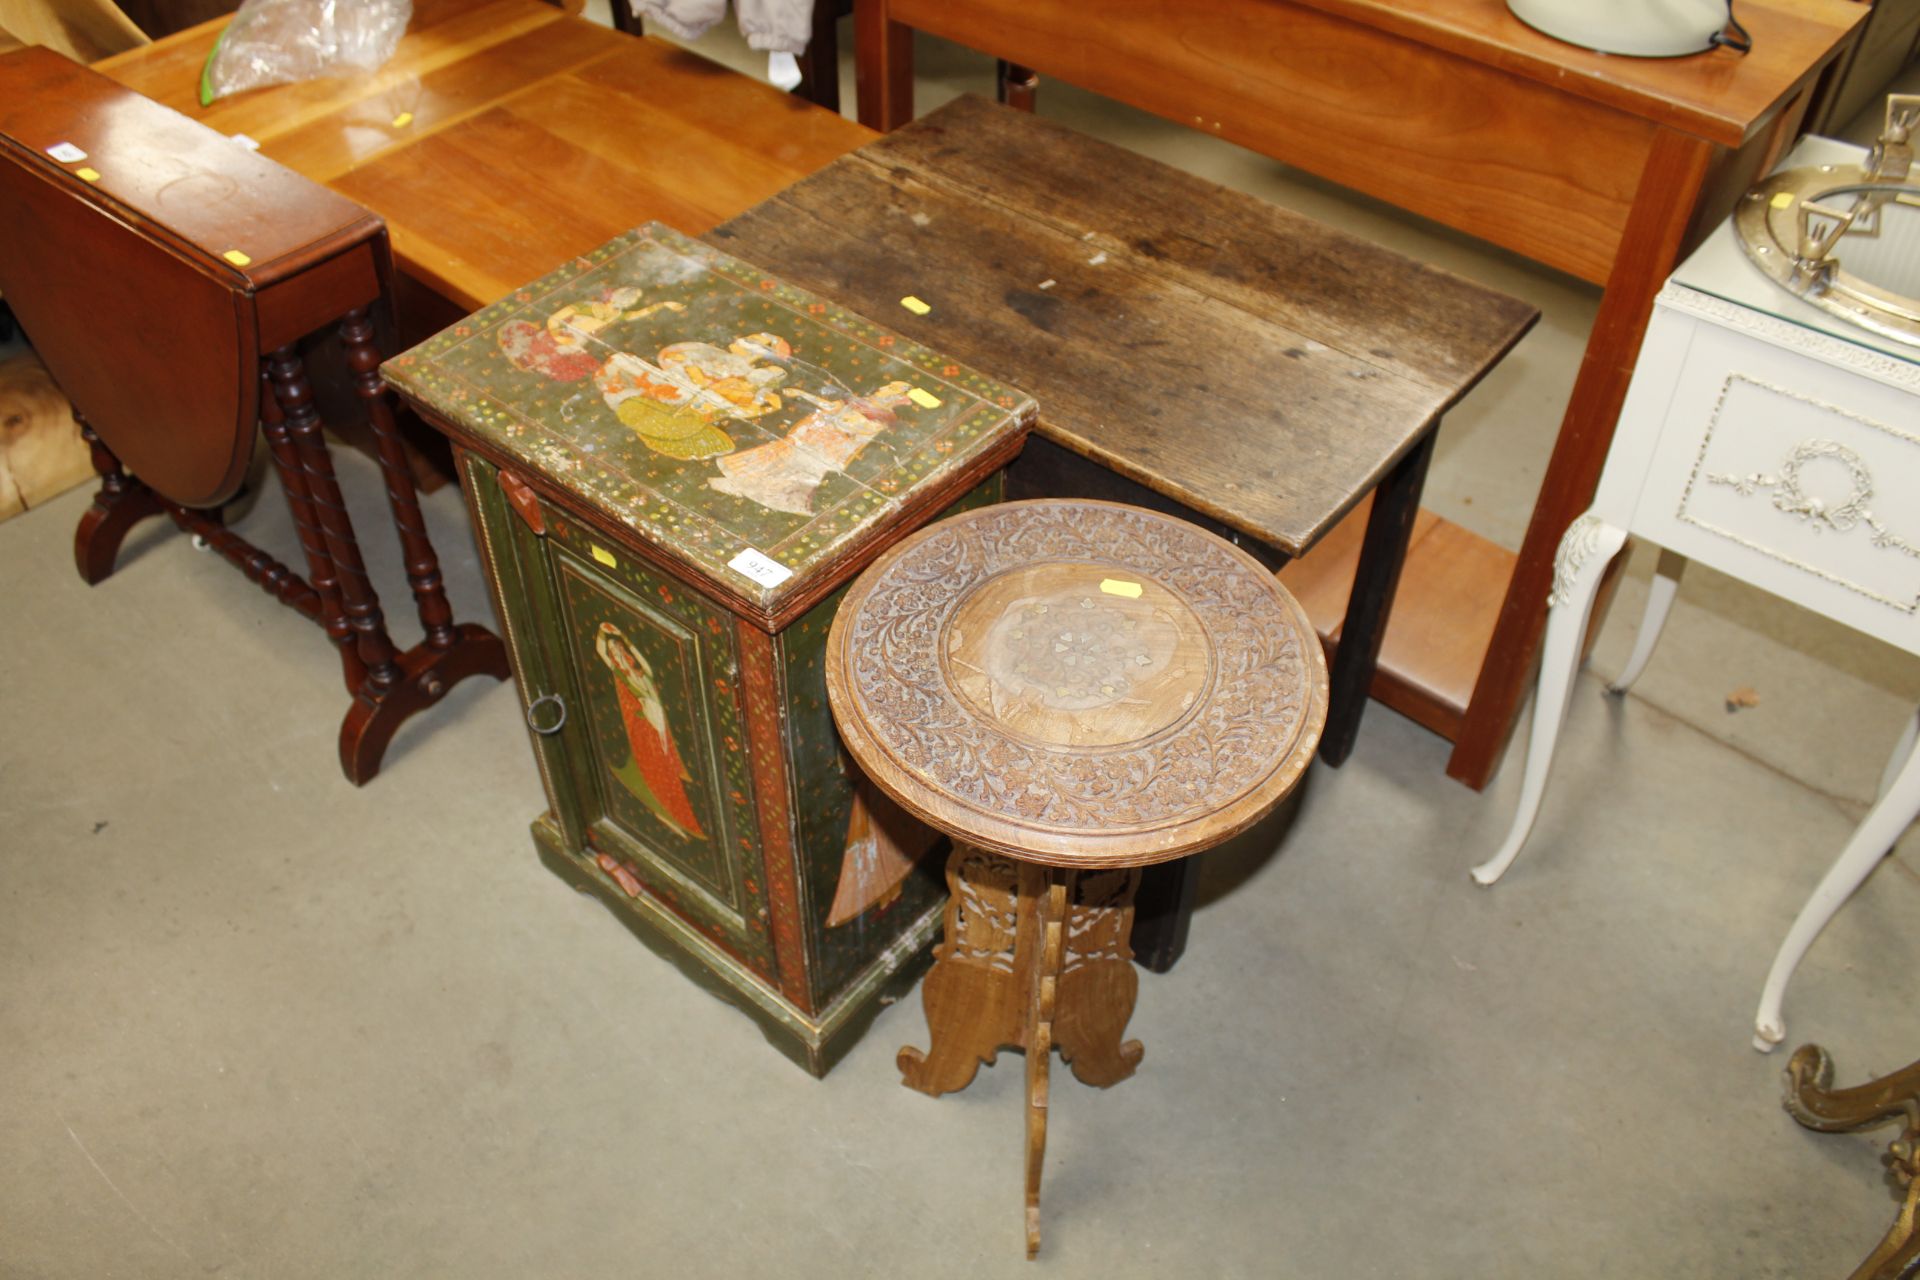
{"x":281,"y":41}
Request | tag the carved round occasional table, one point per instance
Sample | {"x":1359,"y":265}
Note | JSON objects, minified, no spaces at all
{"x":1072,"y":691}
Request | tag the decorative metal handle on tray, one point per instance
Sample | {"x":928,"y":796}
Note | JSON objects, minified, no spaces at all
{"x":533,"y":709}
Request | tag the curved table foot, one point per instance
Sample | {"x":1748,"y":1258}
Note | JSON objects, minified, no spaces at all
{"x":122,"y":502}
{"x":426,"y":674}
{"x":1890,"y":816}
{"x":1812,"y":1100}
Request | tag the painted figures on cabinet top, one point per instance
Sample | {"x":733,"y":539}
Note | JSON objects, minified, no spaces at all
{"x":676,"y":403}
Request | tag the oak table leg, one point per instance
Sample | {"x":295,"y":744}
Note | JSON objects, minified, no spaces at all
{"x":1383,"y":552}
{"x":1814,"y":1102}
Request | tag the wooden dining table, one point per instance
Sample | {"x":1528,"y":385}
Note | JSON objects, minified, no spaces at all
{"x":506,"y":136}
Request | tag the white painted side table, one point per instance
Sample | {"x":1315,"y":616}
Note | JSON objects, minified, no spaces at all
{"x":1781,"y":445}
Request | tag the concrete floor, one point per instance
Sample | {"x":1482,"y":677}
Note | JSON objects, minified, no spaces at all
{"x":256,"y":1022}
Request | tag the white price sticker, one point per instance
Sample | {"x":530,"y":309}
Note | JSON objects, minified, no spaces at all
{"x":764,"y":570}
{"x":66,"y":153}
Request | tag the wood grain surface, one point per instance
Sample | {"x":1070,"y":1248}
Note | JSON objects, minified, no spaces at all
{"x":505,"y":137}
{"x":1079,"y":684}
{"x":1260,"y":368}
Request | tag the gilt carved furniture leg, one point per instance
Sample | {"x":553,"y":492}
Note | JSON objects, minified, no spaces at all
{"x":973,"y":996}
{"x":1812,"y":1100}
{"x":1049,"y":894}
{"x":122,"y":502}
{"x":1660,"y":593}
{"x":1891,"y":815}
{"x":1586,"y":550}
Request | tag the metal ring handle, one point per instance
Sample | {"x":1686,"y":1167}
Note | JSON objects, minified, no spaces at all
{"x":534,"y":707}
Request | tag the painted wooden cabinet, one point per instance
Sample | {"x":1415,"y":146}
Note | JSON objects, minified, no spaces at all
{"x":675,"y":464}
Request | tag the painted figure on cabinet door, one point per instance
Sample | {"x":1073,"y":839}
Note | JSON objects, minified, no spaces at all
{"x":654,"y":772}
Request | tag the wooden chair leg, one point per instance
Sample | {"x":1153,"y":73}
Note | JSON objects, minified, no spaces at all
{"x":121,"y":503}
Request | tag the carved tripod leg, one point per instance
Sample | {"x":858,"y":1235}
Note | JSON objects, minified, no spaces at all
{"x":1098,"y":982}
{"x":321,"y":573}
{"x":973,"y":997}
{"x":423,"y":567}
{"x":122,"y":502}
{"x":1813,"y":1102}
{"x":1047,"y":887}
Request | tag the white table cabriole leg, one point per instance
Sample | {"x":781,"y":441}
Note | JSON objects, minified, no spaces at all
{"x":1589,"y":545}
{"x":1890,"y":816}
{"x":1660,"y":593}
{"x":1901,"y":752}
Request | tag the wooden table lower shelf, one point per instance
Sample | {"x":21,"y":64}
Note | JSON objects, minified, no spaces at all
{"x":1442,"y":617}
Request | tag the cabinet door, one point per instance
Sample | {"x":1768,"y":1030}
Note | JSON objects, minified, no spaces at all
{"x":646,"y":771}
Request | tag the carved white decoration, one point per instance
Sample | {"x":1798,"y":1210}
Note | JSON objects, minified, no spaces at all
{"x":1904,"y":374}
{"x":1577,"y":544}
{"x":1791,"y":497}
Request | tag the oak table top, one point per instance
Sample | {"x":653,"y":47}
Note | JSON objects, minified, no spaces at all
{"x":505,"y":136}
{"x":1257,"y":366}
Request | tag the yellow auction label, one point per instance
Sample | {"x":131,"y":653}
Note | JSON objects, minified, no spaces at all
{"x":605,"y":557}
{"x":925,"y":399}
{"x":87,"y":175}
{"x":402,"y":120}
{"x":237,"y":258}
{"x":1117,"y":587}
{"x":1781,"y":199}
{"x":914,"y":305}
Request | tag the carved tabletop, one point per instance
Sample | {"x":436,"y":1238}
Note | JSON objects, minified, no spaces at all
{"x":1080,"y":684}
{"x":1073,"y":690}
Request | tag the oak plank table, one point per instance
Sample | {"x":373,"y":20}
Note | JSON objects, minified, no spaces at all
{"x":1072,"y":690}
{"x":505,"y":137}
{"x":1609,"y":168}
{"x":1192,"y":348}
